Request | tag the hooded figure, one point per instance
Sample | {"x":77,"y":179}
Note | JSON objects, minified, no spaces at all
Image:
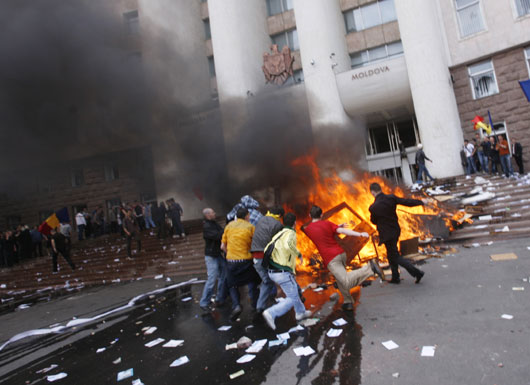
{"x":251,"y":205}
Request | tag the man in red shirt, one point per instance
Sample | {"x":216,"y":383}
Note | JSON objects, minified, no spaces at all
{"x":322,"y":233}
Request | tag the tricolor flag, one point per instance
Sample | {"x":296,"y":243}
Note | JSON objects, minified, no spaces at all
{"x":54,"y":220}
{"x":478,"y":122}
{"x":525,"y":85}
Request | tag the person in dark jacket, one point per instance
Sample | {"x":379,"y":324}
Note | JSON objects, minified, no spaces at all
{"x":10,"y":248}
{"x":383,"y":215}
{"x":159,"y":216}
{"x":36,"y":240}
{"x":266,"y":228}
{"x":175,"y":212}
{"x":215,"y":262}
{"x":58,"y":242}
{"x":132,"y":231}
{"x":420,"y":162}
{"x":517,"y":153}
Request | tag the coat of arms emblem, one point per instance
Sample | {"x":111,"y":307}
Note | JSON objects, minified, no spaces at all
{"x":277,"y":66}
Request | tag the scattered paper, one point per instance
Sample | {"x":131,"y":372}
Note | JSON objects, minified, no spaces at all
{"x":125,"y":374}
{"x":231,"y":346}
{"x":150,"y":330}
{"x":340,"y":322}
{"x":427,"y":351}
{"x":180,"y":361}
{"x":485,"y":218}
{"x":24,"y":306}
{"x":283,"y":336}
{"x":101,"y":350}
{"x":318,"y":289}
{"x":246,"y":358}
{"x":154,"y":342}
{"x":507,"y":316}
{"x":334,"y":332}
{"x":475,"y":244}
{"x":237,"y":374}
{"x":256,"y":346}
{"x":172,"y":262}
{"x":225,"y":328}
{"x":160,"y":276}
{"x":173,"y":343}
{"x":186,"y":299}
{"x":277,"y":342}
{"x":303,"y":351}
{"x":46,"y":370}
{"x":55,"y":377}
{"x":390,"y":345}
{"x":296,"y":328}
{"x":137,"y":382}
{"x":309,"y":322}
{"x":3,"y":286}
{"x":117,"y":361}
{"x":395,"y":375}
{"x":518,"y":288}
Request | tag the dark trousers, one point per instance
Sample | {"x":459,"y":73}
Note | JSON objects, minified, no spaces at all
{"x":141,"y":222}
{"x":519,"y":161}
{"x":80,"y":232}
{"x":113,"y":227}
{"x":395,"y":259}
{"x":162,"y":229}
{"x":241,"y":274}
{"x":177,"y":226}
{"x":66,"y":256}
{"x":37,"y":249}
{"x":129,"y":241}
{"x":9,"y":257}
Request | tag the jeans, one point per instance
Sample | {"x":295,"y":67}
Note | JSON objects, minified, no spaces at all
{"x":470,"y":165}
{"x":289,"y":286}
{"x":149,"y":222}
{"x":347,"y":280}
{"x":216,"y":269}
{"x":421,"y":170}
{"x":80,"y":232}
{"x":483,"y":159}
{"x":267,"y":288}
{"x":506,"y":165}
{"x":395,"y":259}
{"x":252,"y":293}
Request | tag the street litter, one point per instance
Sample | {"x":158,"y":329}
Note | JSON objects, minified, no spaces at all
{"x":224,"y":328}
{"x":518,"y":288}
{"x":55,"y":377}
{"x":154,"y":342}
{"x":309,"y":322}
{"x":427,"y":351}
{"x":256,"y":346}
{"x":244,"y":342}
{"x":180,"y":361}
{"x":117,"y":361}
{"x":46,"y":370}
{"x":303,"y":351}
{"x":150,"y":330}
{"x":231,"y":346}
{"x":277,"y":342}
{"x":340,"y":322}
{"x":318,"y":289}
{"x":390,"y":345}
{"x":246,"y":358}
{"x":101,"y":350}
{"x":503,"y":257}
{"x":137,"y":382}
{"x":296,"y":328}
{"x":160,"y":276}
{"x":125,"y":374}
{"x":186,"y":299}
{"x":237,"y":374}
{"x":24,"y":306}
{"x":507,"y":316}
{"x":334,"y":332}
{"x":505,"y":229}
{"x":173,"y":343}
{"x":283,"y":336}
{"x":172,"y":262}
{"x":395,"y":375}
{"x":3,"y":286}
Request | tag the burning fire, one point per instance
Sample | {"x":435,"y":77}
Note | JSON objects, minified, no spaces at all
{"x":328,"y":192}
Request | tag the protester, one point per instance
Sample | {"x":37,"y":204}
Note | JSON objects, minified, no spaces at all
{"x":10,"y":248}
{"x":66,"y":230}
{"x":383,"y":215}
{"x":113,"y":220}
{"x":58,"y":243}
{"x":215,"y":262}
{"x":504,"y":154}
{"x":175,"y":212}
{"x":148,"y":213}
{"x":282,"y":270}
{"x":517,"y":151}
{"x":469,"y":150}
{"x":322,"y":233}
{"x":159,"y":215}
{"x":483,"y":152}
{"x":132,"y":231}
{"x":81,"y":224}
{"x":236,"y":242}
{"x":420,"y":161}
{"x":266,"y":228}
{"x":138,"y":209}
{"x":251,"y":205}
{"x":36,"y":240}
{"x":494,"y":156}
{"x":89,"y":228}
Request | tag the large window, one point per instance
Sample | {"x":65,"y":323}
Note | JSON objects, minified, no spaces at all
{"x":469,"y":17}
{"x":289,"y":39}
{"x":482,"y":78}
{"x":78,"y":177}
{"x":211,"y":66}
{"x":132,"y":22}
{"x":111,"y":172}
{"x":279,"y":6}
{"x":367,"y":16}
{"x":527,"y":57}
{"x":207,"y":30}
{"x":376,"y":54}
{"x":523,"y":7}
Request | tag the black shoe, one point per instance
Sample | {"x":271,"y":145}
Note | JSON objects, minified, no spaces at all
{"x":206,"y":309}
{"x":376,"y":269}
{"x":236,"y":312}
{"x":419,"y":277}
{"x":347,"y":306}
{"x":395,"y":281}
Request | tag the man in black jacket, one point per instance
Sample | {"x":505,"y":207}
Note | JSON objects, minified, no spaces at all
{"x":517,"y":153}
{"x":383,"y":215}
{"x":215,"y":262}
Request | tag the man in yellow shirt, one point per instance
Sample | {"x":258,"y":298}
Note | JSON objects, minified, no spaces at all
{"x":236,"y":242}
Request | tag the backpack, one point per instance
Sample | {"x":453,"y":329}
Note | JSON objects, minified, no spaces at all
{"x":267,"y":253}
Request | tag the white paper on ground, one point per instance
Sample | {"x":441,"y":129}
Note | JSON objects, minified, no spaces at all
{"x":46,"y":370}
{"x":125,"y":374}
{"x":277,"y":342}
{"x":283,"y":336}
{"x":256,"y":346}
{"x":137,"y":382}
{"x":101,"y":350}
{"x":303,"y":351}
{"x":152,"y":343}
{"x":180,"y":361}
{"x":117,"y":361}
{"x":150,"y":330}
{"x":224,"y":328}
{"x":309,"y":322}
{"x":318,"y":289}
{"x":173,"y":343}
{"x":518,"y":288}
{"x":334,"y":332}
{"x":55,"y":377}
{"x":237,"y":374}
{"x":231,"y":346}
{"x":246,"y":358}
{"x":340,"y":322}
{"x":186,"y":299}
{"x":485,"y":218}
{"x":160,"y":276}
{"x":427,"y":351}
{"x":296,"y":328}
{"x":390,"y":345}
{"x":507,"y":316}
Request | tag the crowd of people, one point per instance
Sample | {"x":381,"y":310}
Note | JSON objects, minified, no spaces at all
{"x":259,"y":251}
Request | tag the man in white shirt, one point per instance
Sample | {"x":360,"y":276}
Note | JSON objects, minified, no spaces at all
{"x":80,"y":221}
{"x":469,"y":150}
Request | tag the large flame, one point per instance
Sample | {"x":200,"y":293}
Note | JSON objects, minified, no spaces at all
{"x":330,"y":191}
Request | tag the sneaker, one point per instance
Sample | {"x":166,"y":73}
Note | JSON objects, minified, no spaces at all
{"x":268,"y":318}
{"x":236,"y":312}
{"x":304,"y":315}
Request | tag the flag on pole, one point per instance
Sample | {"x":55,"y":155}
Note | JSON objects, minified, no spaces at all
{"x":525,"y":85}
{"x":54,"y":220}
{"x":478,"y":121}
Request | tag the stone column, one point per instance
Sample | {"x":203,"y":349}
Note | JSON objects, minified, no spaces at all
{"x":431,"y":86}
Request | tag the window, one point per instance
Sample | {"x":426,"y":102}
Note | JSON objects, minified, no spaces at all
{"x":111,"y":172}
{"x":211,"y":66}
{"x":482,"y":78}
{"x":289,"y":39}
{"x":368,"y":16}
{"x":469,"y":17}
{"x":376,"y":54}
{"x":279,"y":6}
{"x":207,"y":30}
{"x":523,"y":7}
{"x":132,"y":22}
{"x":77,"y":177}
{"x":527,"y":57}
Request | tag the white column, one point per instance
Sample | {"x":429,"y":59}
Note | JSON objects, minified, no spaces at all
{"x":239,"y":39}
{"x":431,"y":86}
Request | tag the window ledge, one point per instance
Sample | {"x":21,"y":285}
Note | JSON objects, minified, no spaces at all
{"x":462,"y":39}
{"x":487,"y":96}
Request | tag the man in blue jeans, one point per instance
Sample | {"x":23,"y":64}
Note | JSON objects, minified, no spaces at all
{"x":215,"y":262}
{"x":420,"y":162}
{"x":282,"y":270}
